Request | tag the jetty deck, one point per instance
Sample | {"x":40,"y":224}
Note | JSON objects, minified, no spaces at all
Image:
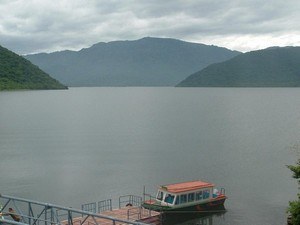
{"x":30,"y":212}
{"x":128,"y":213}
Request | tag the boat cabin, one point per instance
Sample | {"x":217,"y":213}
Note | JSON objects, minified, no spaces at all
{"x":182,"y":193}
{"x":185,"y":195}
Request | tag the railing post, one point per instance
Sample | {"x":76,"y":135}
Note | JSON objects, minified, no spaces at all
{"x":70,"y":220}
{"x":144,"y":193}
{"x":30,"y":213}
{"x":46,"y":208}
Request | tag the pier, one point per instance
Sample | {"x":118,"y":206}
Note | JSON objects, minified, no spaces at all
{"x":29,"y":212}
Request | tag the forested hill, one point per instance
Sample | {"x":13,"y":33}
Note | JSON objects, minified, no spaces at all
{"x":144,"y":62}
{"x":271,"y":67}
{"x":18,"y":73}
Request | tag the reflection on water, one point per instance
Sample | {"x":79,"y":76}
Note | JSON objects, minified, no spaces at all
{"x":186,"y":218}
{"x":208,"y":220}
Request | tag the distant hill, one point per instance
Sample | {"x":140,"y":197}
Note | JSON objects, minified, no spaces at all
{"x":271,"y":67}
{"x":18,"y":73}
{"x":144,"y":62}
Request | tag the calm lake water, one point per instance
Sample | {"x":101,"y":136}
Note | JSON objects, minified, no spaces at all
{"x":88,"y":144}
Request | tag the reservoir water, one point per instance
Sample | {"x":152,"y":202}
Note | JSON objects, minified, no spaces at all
{"x":89,"y":144}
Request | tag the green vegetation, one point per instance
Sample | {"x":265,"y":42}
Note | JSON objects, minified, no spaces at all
{"x":18,"y":73}
{"x":271,"y":67}
{"x":294,"y":208}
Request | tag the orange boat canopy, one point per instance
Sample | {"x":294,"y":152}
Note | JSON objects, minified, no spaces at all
{"x":186,"y":186}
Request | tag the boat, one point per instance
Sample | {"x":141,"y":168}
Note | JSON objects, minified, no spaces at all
{"x":192,"y":196}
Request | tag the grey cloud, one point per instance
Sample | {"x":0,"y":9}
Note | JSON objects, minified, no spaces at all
{"x":30,"y":26}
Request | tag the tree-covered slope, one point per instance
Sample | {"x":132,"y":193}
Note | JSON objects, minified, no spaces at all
{"x":144,"y":62}
{"x":271,"y":67}
{"x":18,"y":73}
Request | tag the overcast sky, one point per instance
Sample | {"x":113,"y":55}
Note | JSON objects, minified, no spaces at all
{"x":31,"y":26}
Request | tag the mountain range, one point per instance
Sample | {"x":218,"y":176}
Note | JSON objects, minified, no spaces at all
{"x":271,"y":67}
{"x":144,"y":62}
{"x":18,"y":73}
{"x":152,"y":62}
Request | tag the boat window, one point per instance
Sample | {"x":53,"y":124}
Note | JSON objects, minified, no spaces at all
{"x":198,"y":195}
{"x":206,"y":194}
{"x":177,"y":200}
{"x":169,"y":198}
{"x":183,"y":199}
{"x":191,"y":197}
{"x":160,"y":195}
{"x":215,"y":193}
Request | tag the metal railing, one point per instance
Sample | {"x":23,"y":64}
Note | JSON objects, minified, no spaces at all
{"x":148,"y":197}
{"x":89,"y":207}
{"x":105,"y":205}
{"x":134,"y":213}
{"x":35,"y":213}
{"x":131,"y":200}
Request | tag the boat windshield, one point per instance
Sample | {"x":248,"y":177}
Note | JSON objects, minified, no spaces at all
{"x":169,"y":198}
